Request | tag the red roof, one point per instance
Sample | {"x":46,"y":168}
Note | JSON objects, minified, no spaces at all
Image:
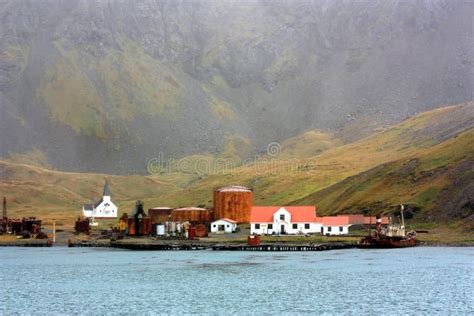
{"x":299,"y":214}
{"x":227,"y":220}
{"x":372,"y":220}
{"x":341,"y":220}
{"x":355,"y":219}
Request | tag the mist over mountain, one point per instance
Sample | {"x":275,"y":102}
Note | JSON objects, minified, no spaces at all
{"x":104,"y":86}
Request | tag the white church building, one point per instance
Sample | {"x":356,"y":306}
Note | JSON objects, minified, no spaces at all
{"x":102,"y":209}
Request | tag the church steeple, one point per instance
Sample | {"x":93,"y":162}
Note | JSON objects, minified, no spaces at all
{"x":106,"y":189}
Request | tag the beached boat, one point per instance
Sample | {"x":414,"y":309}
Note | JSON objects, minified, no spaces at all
{"x":392,"y":236}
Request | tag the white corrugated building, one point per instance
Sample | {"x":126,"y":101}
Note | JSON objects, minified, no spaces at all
{"x":223,"y":225}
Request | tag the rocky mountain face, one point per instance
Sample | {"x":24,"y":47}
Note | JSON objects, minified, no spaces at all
{"x":98,"y":85}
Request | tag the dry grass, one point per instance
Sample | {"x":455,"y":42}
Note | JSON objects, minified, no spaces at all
{"x":34,"y":191}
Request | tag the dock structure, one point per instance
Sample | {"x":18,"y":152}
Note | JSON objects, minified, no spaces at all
{"x":173,"y":246}
{"x":283,"y":247}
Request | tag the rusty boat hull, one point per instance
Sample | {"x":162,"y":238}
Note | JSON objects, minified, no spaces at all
{"x":387,"y":242}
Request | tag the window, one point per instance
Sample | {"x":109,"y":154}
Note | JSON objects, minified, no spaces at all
{"x":270,"y":226}
{"x":228,"y":225}
{"x":282,"y":217}
{"x":341,"y":229}
{"x":306,"y":226}
{"x":214,"y":225}
{"x":257,"y":226}
{"x":295,"y":226}
{"x":329,"y":228}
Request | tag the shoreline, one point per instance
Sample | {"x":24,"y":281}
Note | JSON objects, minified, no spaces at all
{"x":176,"y":244}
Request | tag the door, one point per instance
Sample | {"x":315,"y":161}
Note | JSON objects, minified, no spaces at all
{"x":221,"y":228}
{"x":282,"y":229}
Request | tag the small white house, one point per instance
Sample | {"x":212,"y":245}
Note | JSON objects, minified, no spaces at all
{"x":104,"y":208}
{"x":335,"y":225}
{"x":291,"y":220}
{"x":224,"y":226}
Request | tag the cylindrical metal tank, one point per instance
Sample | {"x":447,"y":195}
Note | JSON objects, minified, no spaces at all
{"x":191,"y":214}
{"x":160,"y":230}
{"x":233,"y":202}
{"x":146,"y":226}
{"x":159,"y":214}
{"x":131,"y":227}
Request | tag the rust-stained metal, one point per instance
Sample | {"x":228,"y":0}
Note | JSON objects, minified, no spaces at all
{"x":82,"y":225}
{"x":194,"y":215}
{"x":123,"y":222}
{"x":393,"y":236}
{"x":4,"y":224}
{"x":32,"y":225}
{"x":145,"y":226}
{"x":234,"y":202}
{"x":139,"y":224}
{"x":191,"y":232}
{"x":159,"y":214}
{"x":254,"y":240}
{"x":201,"y":230}
{"x":131,"y":226}
{"x":16,"y":226}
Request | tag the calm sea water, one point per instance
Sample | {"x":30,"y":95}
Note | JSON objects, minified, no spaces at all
{"x":103,"y":281}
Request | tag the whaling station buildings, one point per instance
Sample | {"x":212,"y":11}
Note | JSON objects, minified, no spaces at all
{"x":232,"y":205}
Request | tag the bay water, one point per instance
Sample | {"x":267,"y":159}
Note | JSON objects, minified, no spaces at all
{"x":96,"y":281}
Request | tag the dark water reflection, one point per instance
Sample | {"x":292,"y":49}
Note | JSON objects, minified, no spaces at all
{"x":102,"y":281}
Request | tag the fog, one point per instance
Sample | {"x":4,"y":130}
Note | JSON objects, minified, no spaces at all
{"x":103,"y":86}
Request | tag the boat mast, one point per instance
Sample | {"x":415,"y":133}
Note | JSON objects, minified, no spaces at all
{"x":403,"y":218}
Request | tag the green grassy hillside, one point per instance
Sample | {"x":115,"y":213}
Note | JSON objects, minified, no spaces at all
{"x":425,"y":162}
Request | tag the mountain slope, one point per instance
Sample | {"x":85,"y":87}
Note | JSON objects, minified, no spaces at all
{"x":104,"y":86}
{"x":425,"y":162}
{"x":435,"y":184}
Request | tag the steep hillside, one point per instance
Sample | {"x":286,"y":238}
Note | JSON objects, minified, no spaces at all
{"x":425,"y":162}
{"x":437,"y":183}
{"x":445,"y":134}
{"x":34,"y":191}
{"x":104,"y":86}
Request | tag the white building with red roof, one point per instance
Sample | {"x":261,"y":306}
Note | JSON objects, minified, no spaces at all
{"x":223,"y":226}
{"x":292,"y":220}
{"x":335,"y":225}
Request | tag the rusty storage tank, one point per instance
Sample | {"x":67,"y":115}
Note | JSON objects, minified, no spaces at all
{"x":194,"y":215}
{"x":131,"y":227}
{"x":159,"y":214}
{"x":234,"y":202}
{"x":145,"y":224}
